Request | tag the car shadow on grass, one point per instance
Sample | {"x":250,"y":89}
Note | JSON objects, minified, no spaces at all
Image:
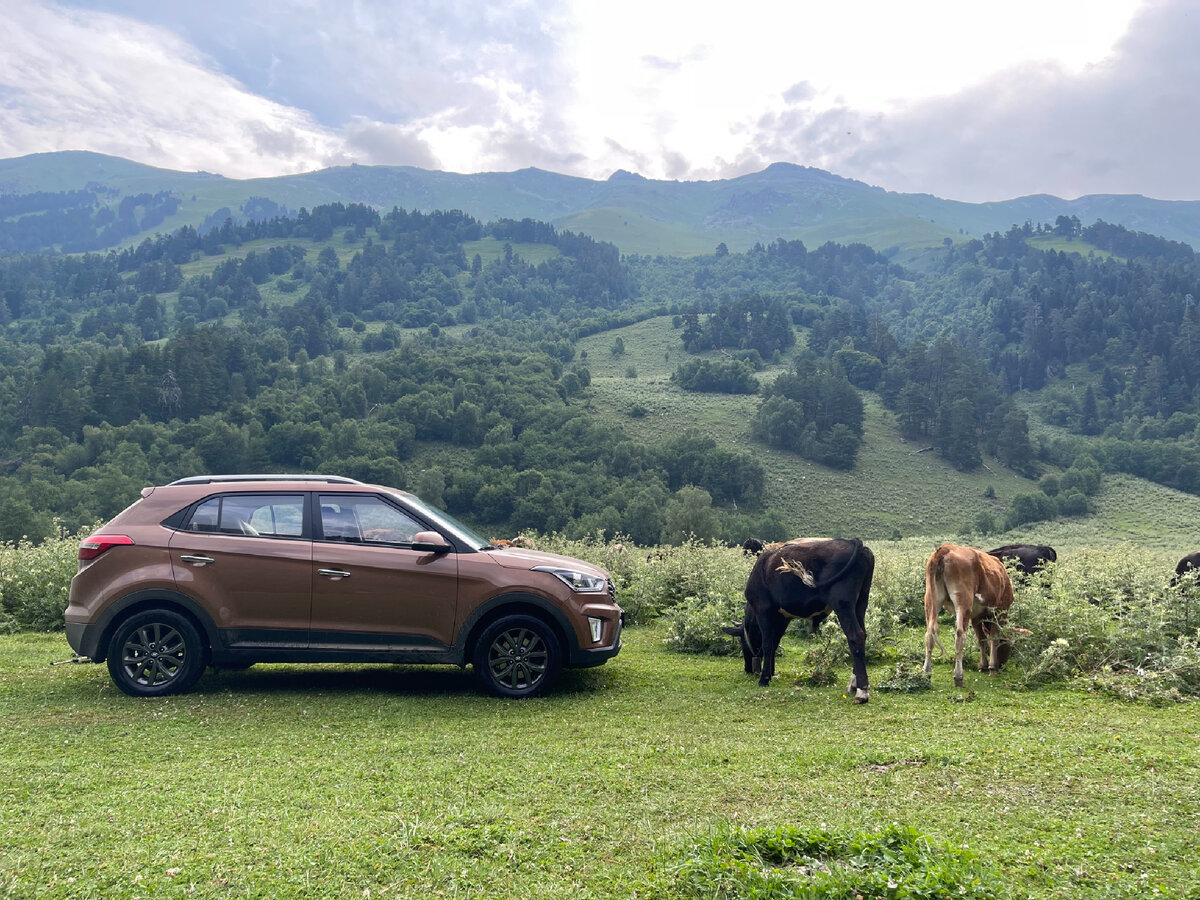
{"x":411,"y":681}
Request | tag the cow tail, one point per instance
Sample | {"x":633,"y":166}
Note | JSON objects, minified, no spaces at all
{"x":935,"y":575}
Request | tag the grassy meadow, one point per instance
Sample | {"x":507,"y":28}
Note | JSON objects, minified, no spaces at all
{"x":351,"y":781}
{"x":662,"y":774}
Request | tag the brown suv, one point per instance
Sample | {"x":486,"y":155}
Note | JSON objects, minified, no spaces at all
{"x":229,"y":571}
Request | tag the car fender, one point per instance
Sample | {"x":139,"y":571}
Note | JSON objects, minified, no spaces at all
{"x":94,"y":642}
{"x":515,"y":603}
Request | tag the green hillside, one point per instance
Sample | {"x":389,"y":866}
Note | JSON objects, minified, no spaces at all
{"x":530,"y":378}
{"x":895,"y":489}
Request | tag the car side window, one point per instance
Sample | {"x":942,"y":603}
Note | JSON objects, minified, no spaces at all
{"x":256,"y":515}
{"x":365,"y":519}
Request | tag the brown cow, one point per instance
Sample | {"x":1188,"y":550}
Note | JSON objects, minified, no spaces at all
{"x":975,"y":586}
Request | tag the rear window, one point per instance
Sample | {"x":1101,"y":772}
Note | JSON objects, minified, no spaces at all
{"x":256,"y":515}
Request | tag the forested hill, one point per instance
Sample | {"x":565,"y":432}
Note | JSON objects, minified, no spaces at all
{"x":440,"y":353}
{"x":78,"y":201}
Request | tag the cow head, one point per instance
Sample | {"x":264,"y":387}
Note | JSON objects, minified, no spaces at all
{"x":751,"y":650}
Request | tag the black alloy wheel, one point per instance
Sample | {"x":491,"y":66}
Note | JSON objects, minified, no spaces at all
{"x":155,"y":653}
{"x":517,"y":656}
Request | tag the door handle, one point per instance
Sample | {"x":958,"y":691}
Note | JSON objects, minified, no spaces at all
{"x":198,"y":560}
{"x":333,"y":573}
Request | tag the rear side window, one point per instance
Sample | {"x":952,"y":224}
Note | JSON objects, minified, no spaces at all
{"x":365,"y":519}
{"x":257,"y":515}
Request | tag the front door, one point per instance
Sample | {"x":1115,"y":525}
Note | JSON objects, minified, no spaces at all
{"x":371,"y":590}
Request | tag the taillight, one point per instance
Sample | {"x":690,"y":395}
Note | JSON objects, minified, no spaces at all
{"x":92,"y":547}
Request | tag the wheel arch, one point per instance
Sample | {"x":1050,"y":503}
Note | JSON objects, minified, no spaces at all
{"x":140,"y":601}
{"x":518,"y":604}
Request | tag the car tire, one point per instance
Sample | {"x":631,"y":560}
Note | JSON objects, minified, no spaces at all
{"x":517,"y":656}
{"x":155,"y":653}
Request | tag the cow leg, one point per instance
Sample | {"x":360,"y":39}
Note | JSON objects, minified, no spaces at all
{"x":983,"y":634}
{"x":771,"y":627}
{"x":856,"y":637}
{"x":961,"y":608}
{"x":741,"y":632}
{"x":858,"y":680}
{"x":752,"y":646}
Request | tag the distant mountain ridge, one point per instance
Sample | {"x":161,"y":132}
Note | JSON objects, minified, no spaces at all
{"x":637,"y":214}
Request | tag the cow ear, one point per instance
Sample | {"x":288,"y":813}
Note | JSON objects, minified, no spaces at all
{"x":735,"y":630}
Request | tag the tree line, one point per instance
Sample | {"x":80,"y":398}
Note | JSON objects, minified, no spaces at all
{"x":327,"y":349}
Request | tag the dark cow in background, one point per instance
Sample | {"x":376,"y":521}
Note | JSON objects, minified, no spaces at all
{"x":807,"y":579}
{"x":1030,"y":557}
{"x":974,"y":586}
{"x":753,"y":546}
{"x":1189,"y":563}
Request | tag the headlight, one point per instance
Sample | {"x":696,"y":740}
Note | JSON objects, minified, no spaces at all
{"x":580,"y":582}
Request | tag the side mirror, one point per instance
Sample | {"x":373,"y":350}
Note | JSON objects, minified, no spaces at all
{"x":430,"y":542}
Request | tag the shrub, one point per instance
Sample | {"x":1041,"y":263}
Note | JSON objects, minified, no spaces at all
{"x":35,"y":580}
{"x":651,"y":581}
{"x":898,"y":586}
{"x":694,"y":625}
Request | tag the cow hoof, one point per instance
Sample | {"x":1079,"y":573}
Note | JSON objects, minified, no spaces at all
{"x":958,"y":681}
{"x":764,"y":682}
{"x":993,"y":671}
{"x":861,"y":696}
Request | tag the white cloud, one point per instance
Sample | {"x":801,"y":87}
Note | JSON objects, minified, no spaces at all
{"x":956,"y":99}
{"x":1127,"y":124}
{"x":82,"y":80}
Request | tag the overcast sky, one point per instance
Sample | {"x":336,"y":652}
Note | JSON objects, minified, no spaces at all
{"x":968,"y":101}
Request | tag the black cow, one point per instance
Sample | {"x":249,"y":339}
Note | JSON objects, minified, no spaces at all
{"x":1030,"y":557}
{"x":753,"y":546}
{"x":1185,"y":565}
{"x":807,"y":580}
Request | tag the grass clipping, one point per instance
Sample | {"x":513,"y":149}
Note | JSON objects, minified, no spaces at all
{"x":788,"y":862}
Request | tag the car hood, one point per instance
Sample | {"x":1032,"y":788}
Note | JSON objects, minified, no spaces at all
{"x":520,"y":558}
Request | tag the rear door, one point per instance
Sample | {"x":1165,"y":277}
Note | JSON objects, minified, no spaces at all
{"x":247,"y":560}
{"x":371,"y":590}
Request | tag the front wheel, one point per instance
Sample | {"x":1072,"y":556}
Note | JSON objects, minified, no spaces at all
{"x":517,"y":656}
{"x":155,"y":653}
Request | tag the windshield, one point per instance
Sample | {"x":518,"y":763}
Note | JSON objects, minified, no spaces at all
{"x":447,"y":522}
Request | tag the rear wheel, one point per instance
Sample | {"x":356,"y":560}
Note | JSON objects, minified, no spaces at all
{"x":517,"y":656}
{"x":156,"y":652}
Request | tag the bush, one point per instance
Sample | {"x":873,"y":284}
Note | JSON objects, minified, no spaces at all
{"x":694,"y":625}
{"x":35,"y":580}
{"x":652,"y":581}
{"x":1108,"y":616}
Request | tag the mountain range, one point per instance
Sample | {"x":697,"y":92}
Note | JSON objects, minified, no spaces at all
{"x":638,"y":215}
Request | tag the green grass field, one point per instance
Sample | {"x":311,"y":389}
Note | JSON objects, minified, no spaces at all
{"x":340,"y":781}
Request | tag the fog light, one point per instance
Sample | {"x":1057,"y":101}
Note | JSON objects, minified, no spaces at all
{"x":597,"y":626}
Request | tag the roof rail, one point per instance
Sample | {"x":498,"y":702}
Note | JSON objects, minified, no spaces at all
{"x":220,"y":479}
